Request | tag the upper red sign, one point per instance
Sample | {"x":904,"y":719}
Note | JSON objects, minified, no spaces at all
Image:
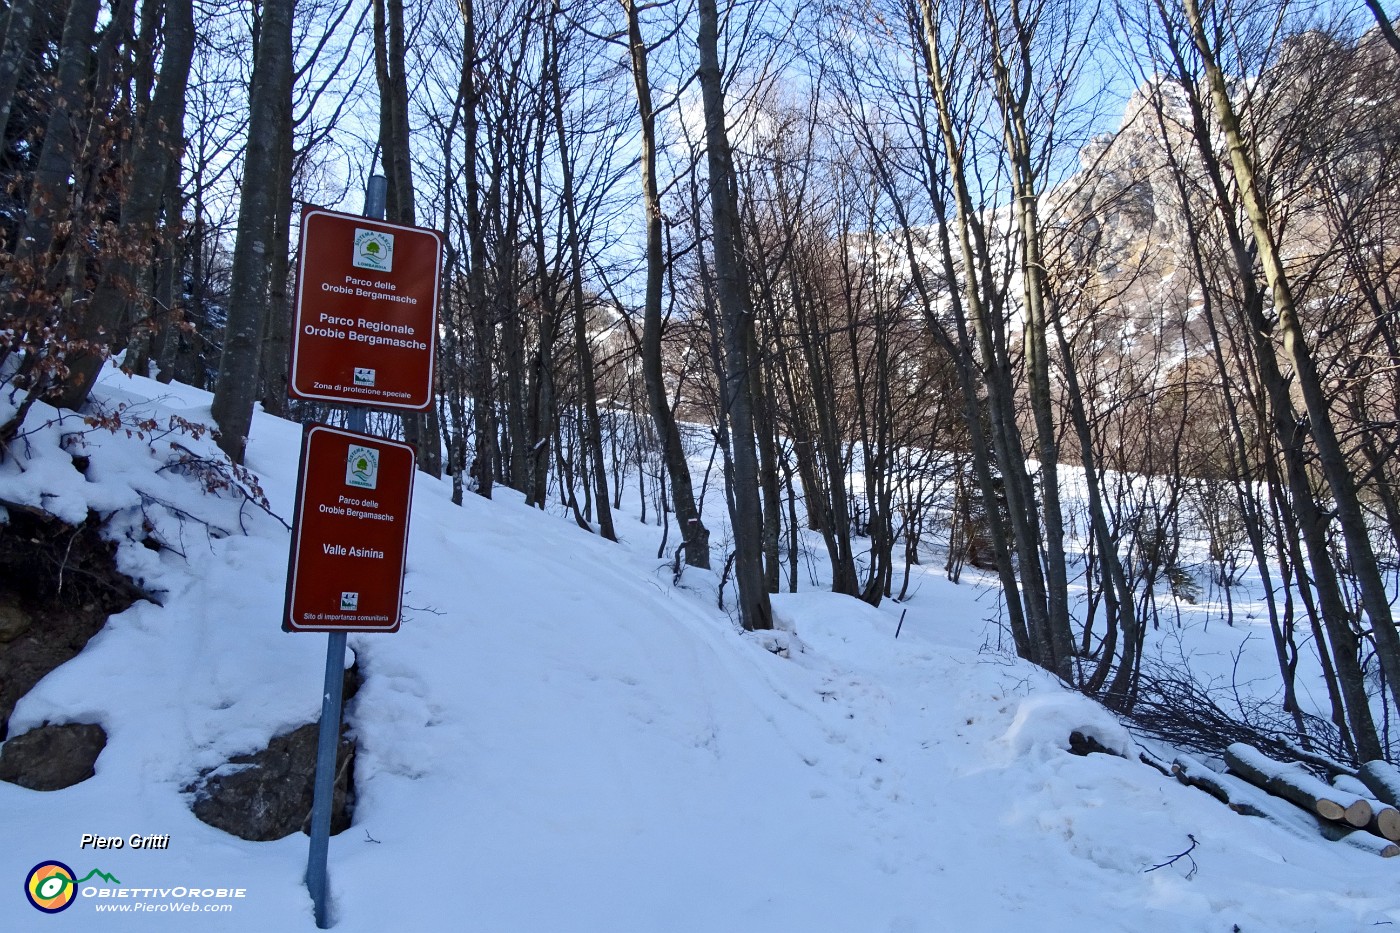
{"x":366,"y":312}
{"x":350,"y":533}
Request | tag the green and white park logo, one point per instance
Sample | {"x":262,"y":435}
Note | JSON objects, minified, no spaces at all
{"x":373,"y":250}
{"x":362,"y":467}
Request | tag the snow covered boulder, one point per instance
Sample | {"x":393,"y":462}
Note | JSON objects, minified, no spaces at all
{"x":1051,"y":720}
{"x":267,"y":795}
{"x":52,"y":757}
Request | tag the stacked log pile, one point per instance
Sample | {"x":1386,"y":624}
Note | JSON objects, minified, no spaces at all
{"x":1359,"y":808}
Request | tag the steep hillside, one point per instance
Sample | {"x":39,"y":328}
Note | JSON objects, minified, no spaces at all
{"x":1130,"y":223}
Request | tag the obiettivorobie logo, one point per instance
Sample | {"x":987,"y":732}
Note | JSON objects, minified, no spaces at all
{"x":373,"y":250}
{"x":52,"y":886}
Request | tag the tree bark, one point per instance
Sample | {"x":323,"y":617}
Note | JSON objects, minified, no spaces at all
{"x":156,"y":147}
{"x":1294,"y":784}
{"x":48,"y":193}
{"x":989,"y":341}
{"x":694,"y":534}
{"x":420,"y":428}
{"x":736,"y":315}
{"x":478,"y":312}
{"x":269,"y":97}
{"x":1296,"y":347}
{"x":19,"y":25}
{"x":277,"y":329}
{"x":588,"y":387}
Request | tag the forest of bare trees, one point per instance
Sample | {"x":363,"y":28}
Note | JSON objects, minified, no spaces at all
{"x":1100,"y":298}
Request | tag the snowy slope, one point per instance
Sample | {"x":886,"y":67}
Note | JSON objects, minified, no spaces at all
{"x":559,"y":740}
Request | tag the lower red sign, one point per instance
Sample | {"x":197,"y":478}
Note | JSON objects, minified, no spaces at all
{"x":350,"y":533}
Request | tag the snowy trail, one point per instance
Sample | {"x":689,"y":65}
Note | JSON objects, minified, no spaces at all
{"x":559,"y":740}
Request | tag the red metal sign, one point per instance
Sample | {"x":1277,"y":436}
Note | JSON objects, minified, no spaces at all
{"x":366,"y":312}
{"x":350,"y":533}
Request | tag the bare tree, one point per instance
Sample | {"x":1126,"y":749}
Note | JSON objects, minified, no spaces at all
{"x":1298,"y":351}
{"x":695,"y":537}
{"x":270,"y":99}
{"x":736,"y":318}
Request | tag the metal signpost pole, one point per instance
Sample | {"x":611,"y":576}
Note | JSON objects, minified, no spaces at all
{"x":332,"y":695}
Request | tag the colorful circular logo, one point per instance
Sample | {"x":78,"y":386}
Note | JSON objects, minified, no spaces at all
{"x":49,"y":887}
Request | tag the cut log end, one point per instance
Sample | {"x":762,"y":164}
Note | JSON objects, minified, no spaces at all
{"x":1306,"y":815}
{"x":1293,"y":783}
{"x":1388,"y":823}
{"x":1328,"y":809}
{"x":1358,"y":813}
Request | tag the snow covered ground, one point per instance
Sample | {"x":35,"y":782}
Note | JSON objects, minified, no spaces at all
{"x":561,"y":740}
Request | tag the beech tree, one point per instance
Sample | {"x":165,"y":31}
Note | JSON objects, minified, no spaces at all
{"x":886,"y":265}
{"x":420,"y":429}
{"x":264,"y":172}
{"x":735,"y":317}
{"x":695,"y":537}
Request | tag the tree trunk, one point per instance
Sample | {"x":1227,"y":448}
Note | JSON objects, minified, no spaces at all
{"x":48,"y":192}
{"x":694,"y":534}
{"x":541,"y":406}
{"x":592,"y":423}
{"x":420,"y":428}
{"x":738,"y":335}
{"x":1294,"y":784}
{"x":19,"y":24}
{"x":989,"y":341}
{"x":1311,"y":522}
{"x":277,"y":329}
{"x":1245,"y":798}
{"x":270,"y":96}
{"x":155,"y":153}
{"x":958,"y":345}
{"x":1383,"y":778}
{"x":1360,"y":551}
{"x":1383,"y":24}
{"x":479,"y":315}
{"x":1012,"y":96}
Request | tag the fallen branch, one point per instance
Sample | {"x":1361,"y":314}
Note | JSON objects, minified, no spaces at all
{"x":1178,"y":857}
